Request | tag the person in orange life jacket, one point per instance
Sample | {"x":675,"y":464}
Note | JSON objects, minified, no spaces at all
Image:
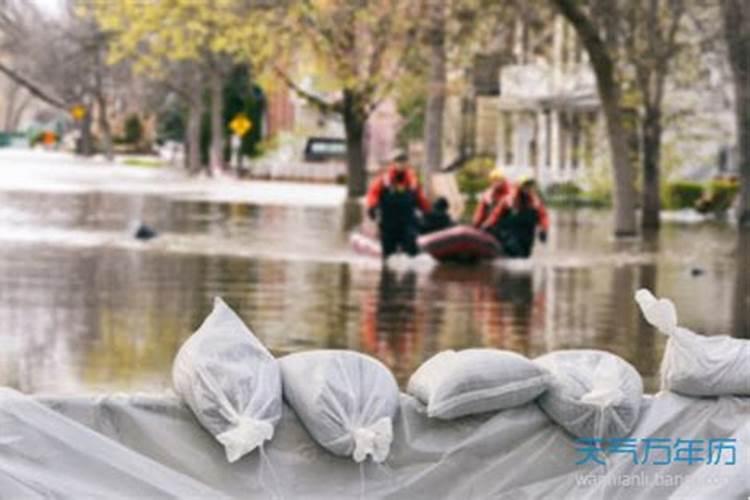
{"x":514,"y":221}
{"x":393,"y":199}
{"x":500,"y":188}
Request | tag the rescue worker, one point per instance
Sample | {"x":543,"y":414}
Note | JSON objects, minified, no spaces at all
{"x":394,"y":198}
{"x":438,"y":219}
{"x":500,"y":188}
{"x":515,"y":220}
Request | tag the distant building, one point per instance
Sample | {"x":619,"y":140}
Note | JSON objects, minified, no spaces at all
{"x":543,"y":116}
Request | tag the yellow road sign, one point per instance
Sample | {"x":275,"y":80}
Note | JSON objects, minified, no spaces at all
{"x":78,"y":112}
{"x":241,"y":125}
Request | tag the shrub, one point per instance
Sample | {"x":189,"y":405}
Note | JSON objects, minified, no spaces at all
{"x":133,"y":129}
{"x":719,"y":196}
{"x":563,"y":190}
{"x":473,"y":178}
{"x":723,"y":192}
{"x":682,"y":194}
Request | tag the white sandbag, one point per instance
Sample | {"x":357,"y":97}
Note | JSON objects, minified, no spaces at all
{"x":453,"y":384}
{"x":347,"y":401}
{"x":593,"y":394}
{"x":230,"y":381}
{"x":695,"y":365}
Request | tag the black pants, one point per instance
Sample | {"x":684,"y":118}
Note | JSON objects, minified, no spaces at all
{"x":516,"y":232}
{"x":404,"y":238}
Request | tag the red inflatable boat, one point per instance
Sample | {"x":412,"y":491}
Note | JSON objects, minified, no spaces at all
{"x":458,"y":243}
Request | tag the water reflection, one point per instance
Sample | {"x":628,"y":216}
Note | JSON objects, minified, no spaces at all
{"x":109,"y":316}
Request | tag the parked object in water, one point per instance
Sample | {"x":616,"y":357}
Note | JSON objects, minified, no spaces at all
{"x":143,"y":231}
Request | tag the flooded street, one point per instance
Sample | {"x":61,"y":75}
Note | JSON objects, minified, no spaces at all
{"x":85,"y":308}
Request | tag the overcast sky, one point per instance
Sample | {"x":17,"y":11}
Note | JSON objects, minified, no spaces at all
{"x":49,"y":6}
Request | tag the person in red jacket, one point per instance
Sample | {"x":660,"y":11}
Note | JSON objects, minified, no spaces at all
{"x":498,"y":192}
{"x":515,"y":220}
{"x":393,"y":199}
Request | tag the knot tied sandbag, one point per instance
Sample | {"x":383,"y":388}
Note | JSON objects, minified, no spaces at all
{"x":697,"y":365}
{"x":593,"y":394}
{"x":247,"y":434}
{"x":230,"y":382}
{"x":346,"y":400}
{"x":374,"y":440}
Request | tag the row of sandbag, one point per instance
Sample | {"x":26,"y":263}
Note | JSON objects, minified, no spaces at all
{"x":347,"y":401}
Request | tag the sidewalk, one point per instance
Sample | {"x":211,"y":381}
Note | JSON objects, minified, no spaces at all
{"x":28,"y":170}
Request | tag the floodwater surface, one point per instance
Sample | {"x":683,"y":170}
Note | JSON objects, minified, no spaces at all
{"x":85,"y":308}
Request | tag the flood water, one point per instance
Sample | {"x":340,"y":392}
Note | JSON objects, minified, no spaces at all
{"x":84,"y":308}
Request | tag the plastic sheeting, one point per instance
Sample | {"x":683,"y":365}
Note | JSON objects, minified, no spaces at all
{"x":143,"y":446}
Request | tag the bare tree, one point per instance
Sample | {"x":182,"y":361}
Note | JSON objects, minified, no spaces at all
{"x":596,"y":28}
{"x":651,"y":45}
{"x":435,"y":107}
{"x":363,"y":45}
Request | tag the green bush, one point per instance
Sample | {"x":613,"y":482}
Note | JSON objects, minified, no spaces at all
{"x":723,"y":192}
{"x":563,"y":190}
{"x":570,"y":194}
{"x":719,"y":195}
{"x":473,"y":178}
{"x":133,"y":130}
{"x":682,"y":194}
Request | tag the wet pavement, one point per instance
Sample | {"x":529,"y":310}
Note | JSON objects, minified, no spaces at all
{"x":84,"y":307}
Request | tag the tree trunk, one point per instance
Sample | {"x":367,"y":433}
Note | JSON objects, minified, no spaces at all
{"x":741,"y":306}
{"x":433,"y":124}
{"x":216,"y":154}
{"x":193,"y":139}
{"x":355,"y":120}
{"x":85,"y":142}
{"x":106,"y":130}
{"x":609,"y":94}
{"x":651,"y":139}
{"x":737,"y":33}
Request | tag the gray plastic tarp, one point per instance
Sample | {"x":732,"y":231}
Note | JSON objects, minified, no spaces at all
{"x":151,"y":446}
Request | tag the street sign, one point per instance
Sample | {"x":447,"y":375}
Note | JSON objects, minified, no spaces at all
{"x":78,"y":112}
{"x":241,"y":125}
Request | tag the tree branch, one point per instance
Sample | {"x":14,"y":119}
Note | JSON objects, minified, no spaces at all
{"x":31,"y":87}
{"x":318,"y":102}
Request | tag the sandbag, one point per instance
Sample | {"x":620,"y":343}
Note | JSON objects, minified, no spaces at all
{"x":346,"y":400}
{"x":453,"y":384}
{"x":695,"y":365}
{"x":592,"y":394}
{"x":230,"y":381}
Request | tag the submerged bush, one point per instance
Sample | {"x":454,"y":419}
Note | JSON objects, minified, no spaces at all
{"x":682,"y":194}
